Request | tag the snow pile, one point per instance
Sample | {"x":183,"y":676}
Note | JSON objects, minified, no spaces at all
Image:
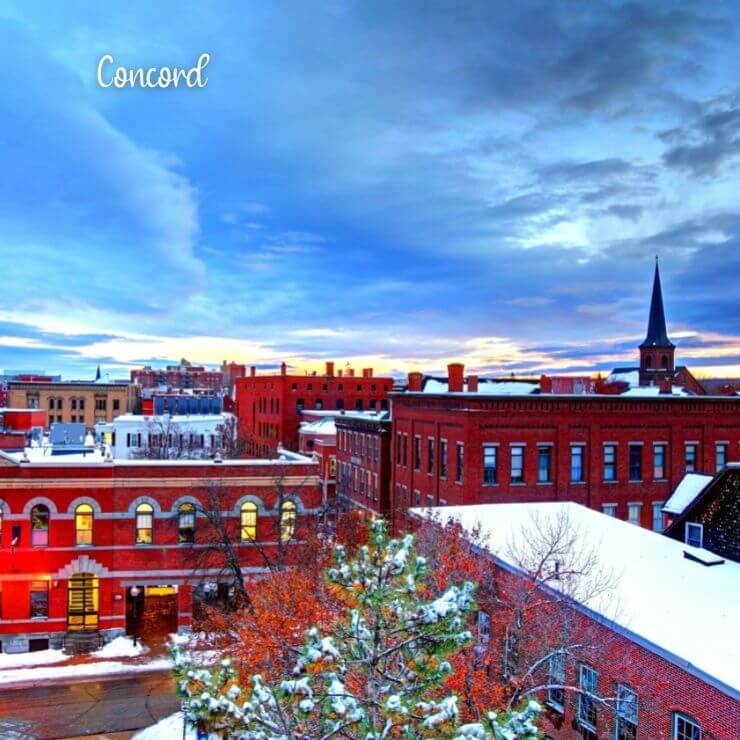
{"x":120,"y":647}
{"x":80,"y":670}
{"x":168,"y":728}
{"x":40,"y":657}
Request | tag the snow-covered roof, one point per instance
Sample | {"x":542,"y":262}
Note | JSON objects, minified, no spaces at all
{"x":486,"y":387}
{"x":170,"y":419}
{"x":654,"y":390}
{"x":681,"y":609}
{"x":631,"y":376}
{"x":320,"y":426}
{"x":691,"y":485}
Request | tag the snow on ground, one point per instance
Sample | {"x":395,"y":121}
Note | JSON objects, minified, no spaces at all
{"x":80,"y":670}
{"x":120,"y":647}
{"x":168,"y":728}
{"x":40,"y":657}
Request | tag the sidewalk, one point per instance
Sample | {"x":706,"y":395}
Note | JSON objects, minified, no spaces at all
{"x":118,"y":658}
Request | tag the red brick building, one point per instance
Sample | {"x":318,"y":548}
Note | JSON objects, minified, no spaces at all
{"x":19,"y":426}
{"x":186,"y":375}
{"x":620,"y":446}
{"x":364,"y":465}
{"x":99,"y":547}
{"x":656,"y":654}
{"x":317,"y":438}
{"x":270,"y":407}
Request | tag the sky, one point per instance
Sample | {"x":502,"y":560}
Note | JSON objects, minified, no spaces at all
{"x":391,"y":184}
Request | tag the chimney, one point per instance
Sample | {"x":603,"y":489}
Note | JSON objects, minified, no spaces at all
{"x":367,"y":372}
{"x":283,"y":368}
{"x":472,"y":383}
{"x":545,"y":384}
{"x":253,"y":370}
{"x":666,"y":386}
{"x":340,"y":372}
{"x":330,"y":369}
{"x":455,"y":372}
{"x":415,"y":382}
{"x":350,"y":372}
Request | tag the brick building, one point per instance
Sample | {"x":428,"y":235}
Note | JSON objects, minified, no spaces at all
{"x":99,"y":546}
{"x":71,"y":401}
{"x":186,"y":375}
{"x":18,"y":427}
{"x":620,"y":445}
{"x":270,"y":407}
{"x":364,"y":463}
{"x":655,"y":655}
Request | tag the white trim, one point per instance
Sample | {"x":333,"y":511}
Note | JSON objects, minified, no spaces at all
{"x":82,"y":564}
{"x":83,"y":500}
{"x":156,"y":508}
{"x":40,"y":500}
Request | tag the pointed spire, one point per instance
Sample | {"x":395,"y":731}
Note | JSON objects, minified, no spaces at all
{"x":97,"y":375}
{"x":657,"y":335}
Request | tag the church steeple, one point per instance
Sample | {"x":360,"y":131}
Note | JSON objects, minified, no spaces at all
{"x":657,"y":352}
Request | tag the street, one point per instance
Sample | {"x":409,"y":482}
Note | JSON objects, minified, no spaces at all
{"x":87,"y":708}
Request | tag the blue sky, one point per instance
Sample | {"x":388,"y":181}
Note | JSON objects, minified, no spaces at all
{"x":395,"y":184}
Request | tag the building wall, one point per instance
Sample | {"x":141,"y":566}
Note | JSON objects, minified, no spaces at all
{"x":364,"y":463}
{"x":269,"y":407}
{"x":101,"y":401}
{"x":114,"y":490}
{"x":556,"y":423}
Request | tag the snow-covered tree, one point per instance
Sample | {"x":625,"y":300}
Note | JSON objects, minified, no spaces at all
{"x":379,"y":673}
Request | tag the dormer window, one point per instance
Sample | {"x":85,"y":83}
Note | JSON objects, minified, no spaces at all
{"x":694,"y":534}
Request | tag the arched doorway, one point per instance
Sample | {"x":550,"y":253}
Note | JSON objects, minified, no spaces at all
{"x":82,"y":603}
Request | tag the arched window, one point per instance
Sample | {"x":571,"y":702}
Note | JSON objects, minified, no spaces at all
{"x":186,"y":524}
{"x":39,"y":526}
{"x":649,"y":362}
{"x":664,"y":362}
{"x":248,"y":521}
{"x":144,"y":524}
{"x":287,"y":520}
{"x":84,"y":524}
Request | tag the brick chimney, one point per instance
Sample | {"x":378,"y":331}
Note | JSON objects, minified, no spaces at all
{"x":340,"y":372}
{"x":350,"y":372}
{"x":472,"y":383}
{"x":666,"y":386}
{"x":455,"y":372}
{"x":330,"y":369}
{"x":545,"y":384}
{"x":415,"y":379}
{"x":253,"y":370}
{"x":367,"y":372}
{"x":283,"y":368}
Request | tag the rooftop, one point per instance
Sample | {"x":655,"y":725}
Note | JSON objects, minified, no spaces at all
{"x":691,"y":485}
{"x":682,"y":609}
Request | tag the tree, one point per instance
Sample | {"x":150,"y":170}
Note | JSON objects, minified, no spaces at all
{"x":166,"y":439}
{"x":377,"y":673}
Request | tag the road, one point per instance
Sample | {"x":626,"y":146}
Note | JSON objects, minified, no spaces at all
{"x":85,"y":708}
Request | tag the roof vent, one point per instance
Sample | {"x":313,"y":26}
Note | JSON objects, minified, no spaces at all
{"x":703,"y":557}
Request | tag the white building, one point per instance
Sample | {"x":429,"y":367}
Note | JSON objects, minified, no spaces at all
{"x":186,"y":436}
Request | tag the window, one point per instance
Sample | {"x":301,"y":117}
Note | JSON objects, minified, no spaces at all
{"x":144,"y":524}
{"x":576,"y":464}
{"x":694,"y":534}
{"x":299,"y":406}
{"x":287,"y":520}
{"x":116,"y":404}
{"x":39,"y":599}
{"x":556,"y":677}
{"x":318,"y":404}
{"x":417,"y":453}
{"x":659,"y":462}
{"x":684,"y":728}
{"x":73,"y":404}
{"x":588,"y":680}
{"x":610,"y":462}
{"x":657,"y":516}
{"x":517,"y":464}
{"x":100,"y":404}
{"x":626,"y":716}
{"x":248,"y":522}
{"x":720,"y":456}
{"x":39,"y":526}
{"x":544,"y":464}
{"x":635,"y":462}
{"x":82,"y":404}
{"x":633,"y":513}
{"x":609,"y":509}
{"x":430,"y":455}
{"x":442,"y":458}
{"x":490,"y":465}
{"x":186,"y":524}
{"x":459,"y":461}
{"x":690,"y":457}
{"x":83,"y":524}
{"x":51,"y":403}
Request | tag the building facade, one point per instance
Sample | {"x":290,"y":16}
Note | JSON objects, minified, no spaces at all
{"x":19,"y":427}
{"x":364,"y":464}
{"x":95,"y":546}
{"x":622,"y":662}
{"x":71,"y":402}
{"x":270,"y":407}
